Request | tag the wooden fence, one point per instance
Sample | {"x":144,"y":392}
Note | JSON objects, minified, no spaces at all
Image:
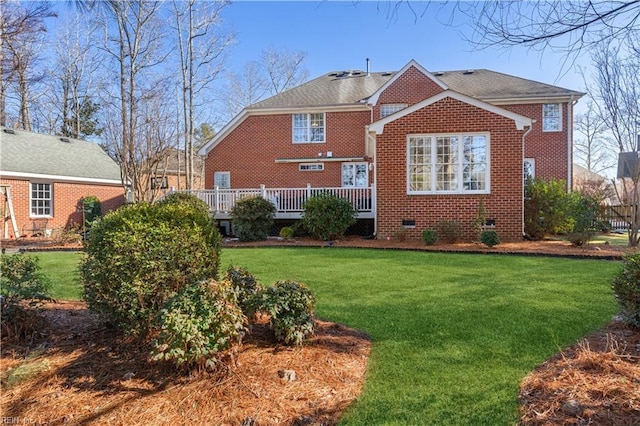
{"x":618,"y":217}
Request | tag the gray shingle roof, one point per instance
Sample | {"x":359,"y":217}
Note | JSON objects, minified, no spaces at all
{"x":344,"y":88}
{"x":39,"y":154}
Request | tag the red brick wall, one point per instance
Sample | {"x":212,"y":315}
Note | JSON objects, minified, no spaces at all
{"x":549,"y":149}
{"x":65,"y":201}
{"x":504,"y":203}
{"x":250,"y":151}
{"x":410,"y":88}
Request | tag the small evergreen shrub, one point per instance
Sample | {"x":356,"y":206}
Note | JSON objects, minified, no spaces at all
{"x":246,"y":287}
{"x":430,"y":236}
{"x":290,"y":305}
{"x":327,"y":217}
{"x":585,"y":212}
{"x":480,"y":219}
{"x":547,"y":209}
{"x":23,"y":288}
{"x":626,"y":287}
{"x":92,"y":209}
{"x":253,"y":218}
{"x":489,"y":238}
{"x":139,"y":256}
{"x":286,"y":233}
{"x":449,"y":230}
{"x":197,"y":324}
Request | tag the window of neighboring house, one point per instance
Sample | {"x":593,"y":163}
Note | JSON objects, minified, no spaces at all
{"x":308,"y":128}
{"x":222,"y":180}
{"x":311,"y":167}
{"x":41,"y":199}
{"x":551,"y":118}
{"x":355,"y":175}
{"x":448,"y":163}
{"x":159,"y":183}
{"x":388,"y":109}
{"x":529,"y":171}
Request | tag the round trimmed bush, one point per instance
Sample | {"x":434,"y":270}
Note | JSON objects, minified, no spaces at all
{"x":290,"y":305}
{"x":489,"y":238}
{"x":253,"y":218}
{"x":139,"y":256}
{"x":327,"y":217}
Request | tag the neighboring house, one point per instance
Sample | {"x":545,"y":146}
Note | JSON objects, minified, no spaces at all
{"x":592,"y":183}
{"x":48,"y":176}
{"x":171,"y":173}
{"x":409,"y":148}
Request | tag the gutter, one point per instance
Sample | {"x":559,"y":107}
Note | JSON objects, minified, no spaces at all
{"x":570,"y":105}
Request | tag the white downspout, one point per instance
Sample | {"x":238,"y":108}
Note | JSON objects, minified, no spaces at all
{"x":374,"y":185}
{"x":522,"y":180}
{"x":570,"y":105}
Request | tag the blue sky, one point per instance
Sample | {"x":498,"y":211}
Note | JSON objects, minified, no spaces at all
{"x":340,"y":35}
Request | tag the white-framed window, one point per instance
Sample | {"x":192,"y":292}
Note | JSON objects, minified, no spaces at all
{"x":222,"y":180}
{"x":41,"y":199}
{"x":388,"y":109}
{"x":355,"y":175}
{"x":311,"y":167}
{"x":159,"y":182}
{"x":309,"y":128}
{"x":551,"y":117}
{"x":529,"y":168}
{"x":449,"y":163}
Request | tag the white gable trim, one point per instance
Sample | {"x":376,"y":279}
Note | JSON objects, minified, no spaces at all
{"x":520,"y":120}
{"x":60,"y":178}
{"x":373,"y":99}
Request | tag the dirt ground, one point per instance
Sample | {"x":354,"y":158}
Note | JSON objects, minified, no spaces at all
{"x":77,"y":373}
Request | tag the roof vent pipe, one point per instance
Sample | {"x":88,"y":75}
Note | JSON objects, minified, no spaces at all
{"x":368,"y":62}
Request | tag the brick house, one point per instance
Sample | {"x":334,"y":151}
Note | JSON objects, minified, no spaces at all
{"x":48,"y":176}
{"x":409,"y":148}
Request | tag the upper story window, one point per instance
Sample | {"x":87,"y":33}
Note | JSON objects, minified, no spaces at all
{"x":448,"y":164}
{"x":222,"y":180}
{"x":308,"y":128}
{"x":41,"y":199}
{"x":551,"y":117}
{"x":388,"y":109}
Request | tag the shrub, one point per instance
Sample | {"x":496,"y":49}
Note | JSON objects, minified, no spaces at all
{"x":196,"y":324}
{"x":585,"y":212}
{"x":489,"y":238}
{"x":92,"y":208}
{"x":286,"y":232}
{"x":626,"y":287}
{"x":141,"y":255}
{"x":290,"y":305}
{"x":23,"y":288}
{"x":327,"y":217}
{"x":546,"y":208}
{"x":183,"y":198}
{"x":430,"y":236}
{"x":253,"y":218}
{"x":449,"y":230}
{"x":246,"y":287}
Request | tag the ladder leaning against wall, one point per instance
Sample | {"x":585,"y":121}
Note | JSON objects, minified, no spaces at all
{"x":8,"y":206}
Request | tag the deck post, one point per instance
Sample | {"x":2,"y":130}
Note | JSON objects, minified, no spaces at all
{"x":263,"y":191}
{"x":216,"y":199}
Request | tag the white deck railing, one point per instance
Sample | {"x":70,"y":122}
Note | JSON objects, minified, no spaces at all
{"x":287,"y":201}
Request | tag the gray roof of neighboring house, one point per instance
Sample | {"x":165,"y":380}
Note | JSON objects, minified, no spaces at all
{"x":38,"y":154}
{"x":354,"y":87}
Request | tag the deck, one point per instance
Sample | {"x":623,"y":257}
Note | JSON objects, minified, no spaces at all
{"x":287,"y":201}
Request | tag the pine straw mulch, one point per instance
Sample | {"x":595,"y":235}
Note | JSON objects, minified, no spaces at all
{"x":79,"y":373}
{"x":594,"y":382}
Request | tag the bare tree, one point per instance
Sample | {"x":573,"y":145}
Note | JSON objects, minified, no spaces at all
{"x":201,"y":45}
{"x":616,"y":90}
{"x":21,"y":28}
{"x":592,"y":147}
{"x":133,"y":38}
{"x":284,"y":69}
{"x":244,"y":89}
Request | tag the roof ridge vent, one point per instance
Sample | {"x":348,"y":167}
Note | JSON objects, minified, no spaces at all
{"x":10,"y":131}
{"x":438,"y":73}
{"x":467,"y":72}
{"x":67,"y":140}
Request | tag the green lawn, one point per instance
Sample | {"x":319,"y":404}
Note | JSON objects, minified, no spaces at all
{"x":453,"y":334}
{"x":62,"y":268}
{"x":612,"y":238}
